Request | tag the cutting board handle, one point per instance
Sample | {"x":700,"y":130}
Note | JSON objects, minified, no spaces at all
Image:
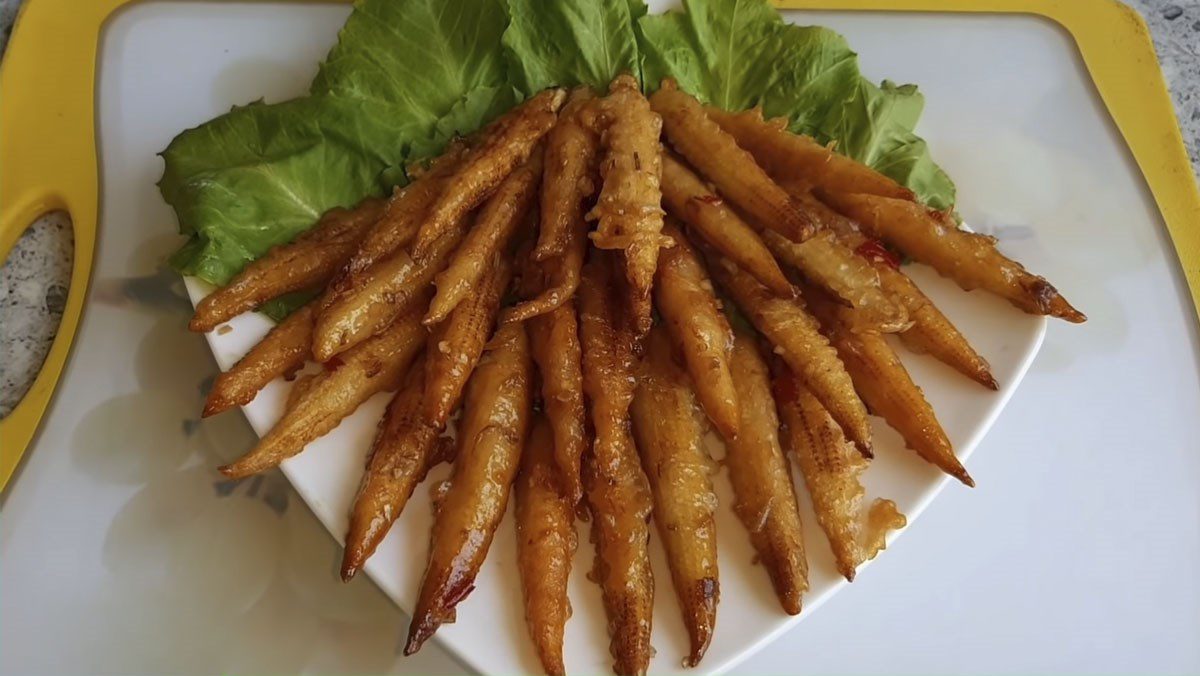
{"x":48,"y":163}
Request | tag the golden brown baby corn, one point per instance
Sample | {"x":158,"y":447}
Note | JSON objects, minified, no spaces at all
{"x":396,"y":228}
{"x":282,"y":351}
{"x":554,"y":340}
{"x":792,"y":156}
{"x":568,"y":177}
{"x":931,"y":331}
{"x":375,"y":366}
{"x":505,"y":145}
{"x":546,"y":543}
{"x":828,"y":264}
{"x":970,"y":259}
{"x":495,"y":226}
{"x":796,"y":337}
{"x":389,"y":289}
{"x":830,"y":465}
{"x":669,"y":429}
{"x":706,"y":213}
{"x":764,"y":498}
{"x":457,"y":343}
{"x":305,"y":263}
{"x":557,"y":279}
{"x":492,"y":433}
{"x":886,"y":387}
{"x":616,"y":488}
{"x":689,"y":307}
{"x":628,"y":211}
{"x":404,"y":449}
{"x":717,"y":157}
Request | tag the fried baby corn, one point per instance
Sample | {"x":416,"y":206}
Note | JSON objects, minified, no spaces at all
{"x":826,"y":263}
{"x":717,"y":156}
{"x":887,"y":389}
{"x":831,"y":468}
{"x":494,"y":229}
{"x":970,"y":259}
{"x":546,"y":542}
{"x":554,"y":342}
{"x":764,"y":498}
{"x":689,"y":199}
{"x":558,"y":279}
{"x":491,"y":435}
{"x":505,"y":145}
{"x":457,"y":343}
{"x":616,"y":488}
{"x":788,"y":156}
{"x":797,"y":339}
{"x":567,"y":179}
{"x":669,"y":429}
{"x":282,"y":351}
{"x":404,"y":449}
{"x":689,"y":307}
{"x":389,"y":289}
{"x":307,"y":262}
{"x":375,"y":366}
{"x":398,"y":225}
{"x":628,"y":211}
{"x":931,"y":331}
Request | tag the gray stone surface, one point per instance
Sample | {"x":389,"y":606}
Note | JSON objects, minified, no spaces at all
{"x":34,"y":278}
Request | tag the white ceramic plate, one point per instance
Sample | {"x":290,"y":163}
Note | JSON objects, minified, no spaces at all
{"x":490,"y":633}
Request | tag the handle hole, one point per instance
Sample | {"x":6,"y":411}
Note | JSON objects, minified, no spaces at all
{"x":33,"y":293}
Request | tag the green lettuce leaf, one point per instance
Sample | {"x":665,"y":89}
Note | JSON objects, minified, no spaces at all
{"x":875,"y":126}
{"x":405,"y":74}
{"x":569,"y":42}
{"x":737,"y":54}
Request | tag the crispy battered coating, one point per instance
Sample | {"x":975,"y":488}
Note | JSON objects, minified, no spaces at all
{"x":796,"y":337}
{"x":556,"y":350}
{"x":835,"y":268}
{"x":398,"y":225}
{"x":764,"y":498}
{"x":931,"y":331}
{"x":886,"y":387}
{"x":281,"y":352}
{"x":495,"y":423}
{"x":689,"y":307}
{"x":377,"y":365}
{"x":505,"y":145}
{"x":568,"y":177}
{"x":830,"y":465}
{"x":546,"y":543}
{"x":717,"y":157}
{"x":616,"y":488}
{"x":404,"y":449}
{"x":390,"y":288}
{"x":689,"y":199}
{"x":495,"y":226}
{"x":970,"y":259}
{"x":558,"y":279}
{"x":456,"y":344}
{"x":307,"y":262}
{"x":793,"y":156}
{"x":629,"y":211}
{"x":669,"y":429}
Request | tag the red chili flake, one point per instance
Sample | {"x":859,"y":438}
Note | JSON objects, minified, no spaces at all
{"x":710,"y":199}
{"x":875,"y":251}
{"x":335,"y":362}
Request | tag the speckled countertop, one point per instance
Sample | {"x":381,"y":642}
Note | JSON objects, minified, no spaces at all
{"x":33,"y":281}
